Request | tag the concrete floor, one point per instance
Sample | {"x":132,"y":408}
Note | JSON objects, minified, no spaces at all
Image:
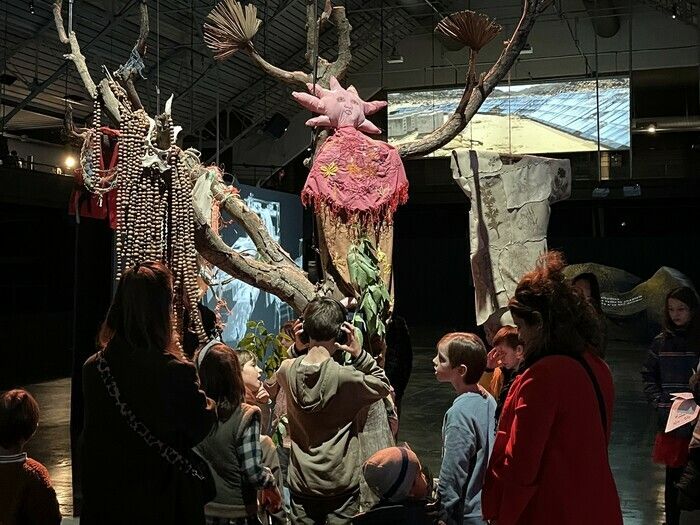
{"x":639,"y":481}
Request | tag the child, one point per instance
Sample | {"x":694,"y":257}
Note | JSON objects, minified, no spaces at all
{"x":256,"y":394}
{"x":325,"y":401}
{"x":26,"y":494}
{"x":468,"y":429}
{"x":403,"y":486}
{"x":233,"y":448}
{"x":669,"y":365}
{"x":508,"y":351}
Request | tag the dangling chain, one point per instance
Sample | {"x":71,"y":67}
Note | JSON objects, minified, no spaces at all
{"x":97,"y":180}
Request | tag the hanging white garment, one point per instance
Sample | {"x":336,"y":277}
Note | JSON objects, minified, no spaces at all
{"x":510,"y":198}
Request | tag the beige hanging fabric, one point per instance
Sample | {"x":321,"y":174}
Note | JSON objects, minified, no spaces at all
{"x":510,"y":198}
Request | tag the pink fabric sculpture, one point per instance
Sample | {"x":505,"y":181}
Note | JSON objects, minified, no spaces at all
{"x":355,"y":183}
{"x":359,"y":178}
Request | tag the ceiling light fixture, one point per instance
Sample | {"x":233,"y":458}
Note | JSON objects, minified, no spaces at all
{"x":526,"y":50}
{"x":394,"y":57}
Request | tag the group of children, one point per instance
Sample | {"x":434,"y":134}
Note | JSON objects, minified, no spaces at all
{"x":325,"y":391}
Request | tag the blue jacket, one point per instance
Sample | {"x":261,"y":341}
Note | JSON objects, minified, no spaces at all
{"x":669,"y":365}
{"x":468,"y":434}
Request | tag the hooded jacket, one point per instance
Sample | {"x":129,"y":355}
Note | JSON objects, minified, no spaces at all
{"x":324,"y":407}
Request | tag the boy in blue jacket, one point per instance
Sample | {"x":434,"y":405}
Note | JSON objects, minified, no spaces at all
{"x":468,"y":429}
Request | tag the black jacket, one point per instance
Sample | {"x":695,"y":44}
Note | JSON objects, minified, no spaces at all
{"x":406,"y":513}
{"x":124,"y":480}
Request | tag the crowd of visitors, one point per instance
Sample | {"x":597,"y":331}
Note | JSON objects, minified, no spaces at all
{"x":173,"y":439}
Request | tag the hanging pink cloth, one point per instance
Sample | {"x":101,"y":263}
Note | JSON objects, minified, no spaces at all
{"x":357,"y":178}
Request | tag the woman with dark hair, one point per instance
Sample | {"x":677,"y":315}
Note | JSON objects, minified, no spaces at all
{"x":550,"y":459}
{"x":670,"y":363}
{"x":140,"y":391}
{"x":233,"y":450}
{"x":587,"y":285}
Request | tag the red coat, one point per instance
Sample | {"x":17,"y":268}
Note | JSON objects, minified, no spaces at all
{"x":550,"y":459}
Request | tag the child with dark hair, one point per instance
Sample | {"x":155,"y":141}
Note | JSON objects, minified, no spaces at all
{"x":26,"y":494}
{"x":587,"y":285}
{"x":233,"y":448}
{"x":325,"y":404}
{"x":502,"y":364}
{"x":670,"y":363}
{"x":468,"y":429}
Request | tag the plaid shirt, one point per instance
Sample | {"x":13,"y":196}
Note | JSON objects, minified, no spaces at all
{"x":250,"y":455}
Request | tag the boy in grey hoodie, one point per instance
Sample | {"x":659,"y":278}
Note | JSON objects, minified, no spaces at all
{"x":325,"y":401}
{"x":468,"y":429}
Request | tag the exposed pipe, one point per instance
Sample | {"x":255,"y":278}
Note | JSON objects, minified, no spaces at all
{"x":666,"y":124}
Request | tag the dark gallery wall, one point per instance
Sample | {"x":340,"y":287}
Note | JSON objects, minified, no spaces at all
{"x":36,"y":286}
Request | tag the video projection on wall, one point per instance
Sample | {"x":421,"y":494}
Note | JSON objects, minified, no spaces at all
{"x":282,"y":215}
{"x":538,"y":118}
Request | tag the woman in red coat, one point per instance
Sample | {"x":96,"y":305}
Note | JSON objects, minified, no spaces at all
{"x":550,"y":459}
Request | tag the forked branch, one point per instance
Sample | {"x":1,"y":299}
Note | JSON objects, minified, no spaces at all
{"x":289,"y":283}
{"x":473,"y":98}
{"x":230,"y":28}
{"x":110,"y":101}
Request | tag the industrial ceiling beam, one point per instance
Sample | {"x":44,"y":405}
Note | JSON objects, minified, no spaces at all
{"x":113,"y":24}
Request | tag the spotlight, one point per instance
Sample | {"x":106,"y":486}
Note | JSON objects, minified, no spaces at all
{"x":31,"y":7}
{"x":69,"y":162}
{"x":394,"y":57}
{"x":651,"y":128}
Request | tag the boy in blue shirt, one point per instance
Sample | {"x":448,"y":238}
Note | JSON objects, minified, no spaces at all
{"x":468,"y":429}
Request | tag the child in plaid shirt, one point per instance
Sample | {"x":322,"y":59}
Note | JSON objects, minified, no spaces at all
{"x":233,"y":449}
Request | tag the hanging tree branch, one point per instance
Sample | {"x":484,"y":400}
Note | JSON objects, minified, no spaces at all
{"x":110,"y":101}
{"x":289,"y":283}
{"x":230,"y":28}
{"x":75,"y":134}
{"x":268,"y":249}
{"x":473,"y":98}
{"x":134,"y":66}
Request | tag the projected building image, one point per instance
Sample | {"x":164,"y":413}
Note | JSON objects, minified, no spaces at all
{"x":552,"y":117}
{"x":239,"y":302}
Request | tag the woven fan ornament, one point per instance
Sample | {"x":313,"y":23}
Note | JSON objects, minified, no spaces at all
{"x":473,"y":30}
{"x":230,"y":27}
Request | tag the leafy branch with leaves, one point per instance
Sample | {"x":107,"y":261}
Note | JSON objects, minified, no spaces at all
{"x":364,"y":266}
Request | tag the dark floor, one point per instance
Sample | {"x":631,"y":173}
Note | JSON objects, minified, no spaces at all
{"x":639,"y":481}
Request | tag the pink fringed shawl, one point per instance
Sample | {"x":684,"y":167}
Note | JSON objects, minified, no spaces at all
{"x":358,"y":178}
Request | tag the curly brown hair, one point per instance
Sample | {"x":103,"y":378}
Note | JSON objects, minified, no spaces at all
{"x":569,"y":322}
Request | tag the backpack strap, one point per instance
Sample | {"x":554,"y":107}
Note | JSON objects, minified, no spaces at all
{"x":599,"y":394}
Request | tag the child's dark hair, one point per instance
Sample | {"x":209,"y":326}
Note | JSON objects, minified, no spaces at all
{"x":323,"y":318}
{"x":464,"y":348}
{"x":507,"y":335}
{"x":687,"y":296}
{"x":19,"y":417}
{"x":593,"y":284}
{"x":220,"y":375}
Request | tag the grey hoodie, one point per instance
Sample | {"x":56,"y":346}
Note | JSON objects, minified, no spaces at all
{"x":323,"y":404}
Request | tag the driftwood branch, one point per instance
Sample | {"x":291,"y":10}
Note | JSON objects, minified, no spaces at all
{"x":110,"y":101}
{"x":268,"y":249}
{"x":296,"y":79}
{"x":289,"y":283}
{"x":473,"y":98}
{"x":339,"y":67}
{"x":75,"y":134}
{"x":140,"y":48}
{"x":326,"y":69}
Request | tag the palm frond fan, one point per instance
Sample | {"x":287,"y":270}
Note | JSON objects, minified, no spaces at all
{"x":467,"y":28}
{"x":230,"y":27}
